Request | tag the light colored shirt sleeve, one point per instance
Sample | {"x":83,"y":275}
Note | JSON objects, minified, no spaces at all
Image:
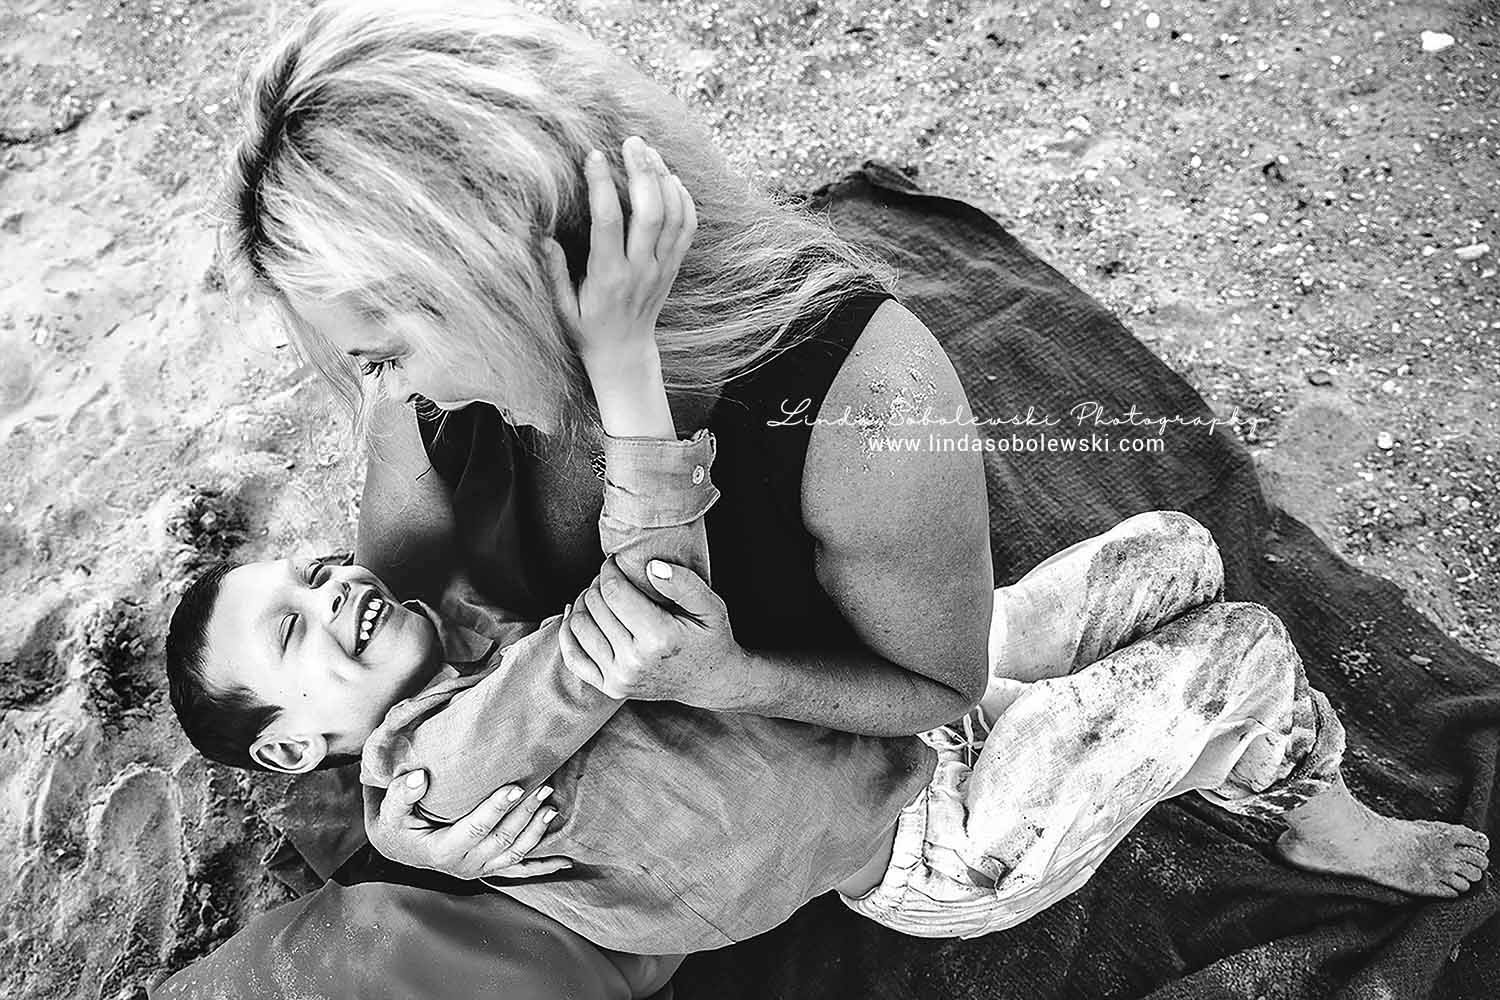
{"x":521,"y":720}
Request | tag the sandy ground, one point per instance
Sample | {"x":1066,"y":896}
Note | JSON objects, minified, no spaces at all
{"x":1275,"y":196}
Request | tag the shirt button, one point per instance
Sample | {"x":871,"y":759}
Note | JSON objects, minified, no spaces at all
{"x":698,"y":474}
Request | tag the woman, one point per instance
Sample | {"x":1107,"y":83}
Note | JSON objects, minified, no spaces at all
{"x":401,"y":177}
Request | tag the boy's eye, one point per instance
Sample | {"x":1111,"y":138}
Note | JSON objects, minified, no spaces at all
{"x":317,"y":572}
{"x":378,"y":368}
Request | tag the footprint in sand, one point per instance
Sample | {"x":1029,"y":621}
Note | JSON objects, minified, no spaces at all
{"x":17,"y":373}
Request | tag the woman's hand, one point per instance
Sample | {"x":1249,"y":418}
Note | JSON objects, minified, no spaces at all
{"x":619,"y":641}
{"x":492,"y":841}
{"x":612,"y":316}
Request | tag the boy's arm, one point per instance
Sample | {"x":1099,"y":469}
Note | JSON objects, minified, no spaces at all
{"x":518,"y":723}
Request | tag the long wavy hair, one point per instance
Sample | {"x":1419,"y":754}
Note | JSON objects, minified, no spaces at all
{"x":411,"y":158}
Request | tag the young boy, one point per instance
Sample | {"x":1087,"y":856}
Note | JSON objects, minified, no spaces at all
{"x":689,"y":830}
{"x":751,"y":817}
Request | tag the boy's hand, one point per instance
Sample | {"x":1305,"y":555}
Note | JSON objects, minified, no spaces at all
{"x":492,"y":841}
{"x":612,"y":316}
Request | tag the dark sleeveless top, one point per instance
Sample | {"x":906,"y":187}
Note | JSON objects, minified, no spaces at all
{"x":762,"y":555}
{"x":734,"y":788}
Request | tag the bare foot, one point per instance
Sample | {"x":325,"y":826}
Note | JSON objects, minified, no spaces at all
{"x":1335,"y":833}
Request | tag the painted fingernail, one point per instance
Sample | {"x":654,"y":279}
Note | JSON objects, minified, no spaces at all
{"x":548,"y":815}
{"x":543,"y":792}
{"x":513,"y":794}
{"x":415,"y":779}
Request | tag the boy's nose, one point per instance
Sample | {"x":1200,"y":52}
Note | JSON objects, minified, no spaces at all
{"x":340,"y":590}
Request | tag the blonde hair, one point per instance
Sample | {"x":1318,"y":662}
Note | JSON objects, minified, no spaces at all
{"x":414,"y":157}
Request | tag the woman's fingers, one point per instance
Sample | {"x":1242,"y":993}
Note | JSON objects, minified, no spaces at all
{"x":633,"y":609}
{"x":531,"y":868}
{"x":671,"y":212}
{"x":405,"y":792}
{"x":666,"y":247}
{"x":521,"y":815}
{"x":519,"y":834}
{"x":689,"y":220}
{"x":645,"y":201}
{"x":488,"y":817}
{"x":614,"y":630}
{"x":562,"y":284}
{"x":575,"y":659}
{"x":589,"y":635}
{"x":606,"y":228}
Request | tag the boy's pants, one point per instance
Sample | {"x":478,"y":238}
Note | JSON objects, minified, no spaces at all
{"x":1150,"y":686}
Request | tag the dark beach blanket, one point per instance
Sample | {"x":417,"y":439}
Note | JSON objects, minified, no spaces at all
{"x":1191,"y":905}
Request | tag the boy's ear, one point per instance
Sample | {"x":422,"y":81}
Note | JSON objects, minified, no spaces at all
{"x":289,"y":754}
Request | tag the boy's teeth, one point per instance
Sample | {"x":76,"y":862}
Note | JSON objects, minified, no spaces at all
{"x":367,"y":623}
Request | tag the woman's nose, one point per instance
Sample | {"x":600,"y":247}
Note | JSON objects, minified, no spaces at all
{"x":393,"y":384}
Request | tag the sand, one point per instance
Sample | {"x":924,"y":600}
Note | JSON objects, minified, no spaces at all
{"x":1273,"y":197}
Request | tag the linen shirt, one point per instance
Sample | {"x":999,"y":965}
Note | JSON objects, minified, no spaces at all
{"x":688,"y":829}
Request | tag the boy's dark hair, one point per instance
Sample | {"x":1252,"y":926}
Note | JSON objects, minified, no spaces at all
{"x":220,"y":722}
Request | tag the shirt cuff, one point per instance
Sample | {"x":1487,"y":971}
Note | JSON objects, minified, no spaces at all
{"x":655,"y":483}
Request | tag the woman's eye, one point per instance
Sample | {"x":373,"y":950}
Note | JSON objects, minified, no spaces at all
{"x":378,"y":368}
{"x":287,"y":624}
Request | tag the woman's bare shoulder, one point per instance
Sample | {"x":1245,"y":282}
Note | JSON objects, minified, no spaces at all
{"x":895,"y":362}
{"x":895,"y":401}
{"x":899,"y":511}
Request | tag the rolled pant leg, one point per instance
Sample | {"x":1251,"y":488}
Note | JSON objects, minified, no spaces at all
{"x":1101,"y":594}
{"x":1215,"y":700}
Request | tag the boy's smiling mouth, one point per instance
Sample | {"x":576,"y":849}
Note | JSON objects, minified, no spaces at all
{"x":370,"y":614}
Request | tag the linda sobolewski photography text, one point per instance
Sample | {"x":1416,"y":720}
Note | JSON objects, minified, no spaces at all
{"x":1087,"y":426}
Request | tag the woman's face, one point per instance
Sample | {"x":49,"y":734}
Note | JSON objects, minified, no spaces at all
{"x":408,"y":365}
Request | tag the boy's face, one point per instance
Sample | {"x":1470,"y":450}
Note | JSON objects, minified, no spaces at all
{"x":329,"y":645}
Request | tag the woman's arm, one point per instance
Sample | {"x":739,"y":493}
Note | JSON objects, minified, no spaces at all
{"x":902,"y":549}
{"x":528,"y":715}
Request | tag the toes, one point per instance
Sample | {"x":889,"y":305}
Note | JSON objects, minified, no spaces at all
{"x":1456,"y":882}
{"x":1472,"y":838}
{"x":1474,"y":856}
{"x":1472,"y":872}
